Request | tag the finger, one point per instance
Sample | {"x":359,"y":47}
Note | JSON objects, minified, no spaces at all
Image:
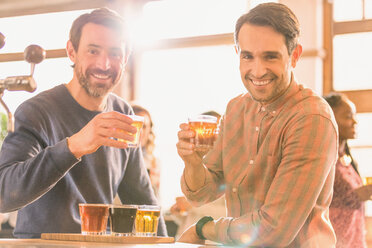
{"x":185,"y":135}
{"x":115,"y":143}
{"x":116,"y":115}
{"x":184,"y":126}
{"x":108,"y":132}
{"x":116,"y":124}
{"x":123,"y":135}
{"x":185,"y":153}
{"x":185,"y":145}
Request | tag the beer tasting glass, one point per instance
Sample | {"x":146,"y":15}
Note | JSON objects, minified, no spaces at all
{"x":367,"y":180}
{"x":93,"y":218}
{"x":205,"y":128}
{"x":122,"y":219}
{"x":147,"y":220}
{"x":137,"y":123}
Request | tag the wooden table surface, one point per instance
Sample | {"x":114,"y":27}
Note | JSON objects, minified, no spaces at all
{"x":41,"y":243}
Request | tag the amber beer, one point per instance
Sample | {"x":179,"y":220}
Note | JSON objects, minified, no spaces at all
{"x":93,"y":218}
{"x":137,"y":123}
{"x":367,"y":180}
{"x":205,"y":128}
{"x":147,"y":220}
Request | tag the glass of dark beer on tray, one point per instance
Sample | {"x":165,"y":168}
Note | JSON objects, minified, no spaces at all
{"x":122,"y":219}
{"x":205,"y":128}
{"x":93,"y":218}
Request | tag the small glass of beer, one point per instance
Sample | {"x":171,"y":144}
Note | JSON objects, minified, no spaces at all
{"x":137,"y":123}
{"x":147,"y":220}
{"x":93,"y":218}
{"x":367,"y":180}
{"x":122,"y":219}
{"x":205,"y":128}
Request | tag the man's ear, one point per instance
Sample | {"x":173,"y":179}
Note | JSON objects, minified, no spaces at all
{"x":296,"y":55}
{"x":70,"y":51}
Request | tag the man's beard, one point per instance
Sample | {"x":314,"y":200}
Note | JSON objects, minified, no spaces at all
{"x":95,"y":90}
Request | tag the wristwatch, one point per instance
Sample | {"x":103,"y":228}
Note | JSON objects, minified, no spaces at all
{"x":200,"y":224}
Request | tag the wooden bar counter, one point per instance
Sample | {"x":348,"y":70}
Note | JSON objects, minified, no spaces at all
{"x":41,"y":243}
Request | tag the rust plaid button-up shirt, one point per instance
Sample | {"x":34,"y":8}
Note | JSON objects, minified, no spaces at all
{"x":275,"y":164}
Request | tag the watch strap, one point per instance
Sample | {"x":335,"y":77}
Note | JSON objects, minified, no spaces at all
{"x":199,"y":226}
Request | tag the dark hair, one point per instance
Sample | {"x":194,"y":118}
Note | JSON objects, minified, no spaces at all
{"x":334,"y":99}
{"x":275,"y":15}
{"x":101,"y":16}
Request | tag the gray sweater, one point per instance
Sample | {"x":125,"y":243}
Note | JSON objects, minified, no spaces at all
{"x":41,"y":178}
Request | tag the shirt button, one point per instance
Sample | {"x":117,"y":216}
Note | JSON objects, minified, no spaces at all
{"x":257,"y":128}
{"x":263,"y":109}
{"x":251,"y":161}
{"x":234,"y":190}
{"x":274,"y":112}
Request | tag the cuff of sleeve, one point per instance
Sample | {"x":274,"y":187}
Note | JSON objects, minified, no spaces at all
{"x":198,"y":194}
{"x":62,"y":156}
{"x":222,"y":229}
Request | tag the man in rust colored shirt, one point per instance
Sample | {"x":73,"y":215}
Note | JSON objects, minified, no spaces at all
{"x":275,"y":156}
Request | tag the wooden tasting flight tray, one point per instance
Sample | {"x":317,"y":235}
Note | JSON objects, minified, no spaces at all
{"x":106,"y":238}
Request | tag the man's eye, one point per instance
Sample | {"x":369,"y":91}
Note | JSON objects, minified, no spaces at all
{"x":270,"y":57}
{"x":247,"y":56}
{"x":117,"y":55}
{"x":93,"y":51}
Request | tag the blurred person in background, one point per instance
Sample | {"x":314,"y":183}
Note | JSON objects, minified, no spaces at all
{"x":347,"y":212}
{"x":66,"y":148}
{"x":148,"y":144}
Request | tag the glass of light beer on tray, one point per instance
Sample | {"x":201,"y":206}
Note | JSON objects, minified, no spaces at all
{"x":137,"y":123}
{"x":147,"y":220}
{"x":93,"y":218}
{"x":205,"y":128}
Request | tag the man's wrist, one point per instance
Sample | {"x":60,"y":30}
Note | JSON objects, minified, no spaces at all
{"x":70,"y":146}
{"x":200,"y":224}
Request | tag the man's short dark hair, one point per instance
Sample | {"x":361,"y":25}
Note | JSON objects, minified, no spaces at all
{"x":275,"y":15}
{"x":101,"y":16}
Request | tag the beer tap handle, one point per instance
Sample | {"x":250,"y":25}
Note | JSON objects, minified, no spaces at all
{"x":32,"y":69}
{"x":34,"y":54}
{"x":10,"y":126}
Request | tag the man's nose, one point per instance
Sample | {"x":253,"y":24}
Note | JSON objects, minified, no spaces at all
{"x":258,"y":68}
{"x":354,"y":120}
{"x":103,"y":62}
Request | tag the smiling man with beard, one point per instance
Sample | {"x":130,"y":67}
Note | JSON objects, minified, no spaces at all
{"x":275,"y":154}
{"x":65,"y":148}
